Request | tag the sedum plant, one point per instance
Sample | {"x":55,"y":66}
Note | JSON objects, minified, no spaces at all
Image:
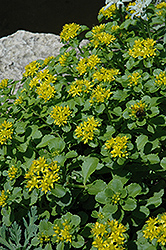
{"x":82,"y":142}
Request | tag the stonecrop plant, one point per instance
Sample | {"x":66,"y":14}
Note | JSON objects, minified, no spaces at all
{"x":83,"y":141}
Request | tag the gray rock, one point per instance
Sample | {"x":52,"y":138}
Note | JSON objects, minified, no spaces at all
{"x":21,"y":48}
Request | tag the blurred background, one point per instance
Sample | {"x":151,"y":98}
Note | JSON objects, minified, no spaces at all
{"x":46,"y":16}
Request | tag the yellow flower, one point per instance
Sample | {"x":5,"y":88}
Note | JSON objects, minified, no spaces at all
{"x":4,"y":83}
{"x":31,"y":69}
{"x":133,"y":79}
{"x":100,"y":94}
{"x":69,"y":31}
{"x":151,"y":230}
{"x":114,"y":28}
{"x":79,"y":86}
{"x":82,"y":67}
{"x":63,"y":58}
{"x":60,"y":115}
{"x":98,"y":28}
{"x":47,"y":60}
{"x":144,"y":48}
{"x":108,"y":235}
{"x":43,"y":237}
{"x":34,"y":82}
{"x":3,"y":198}
{"x":86,"y":129}
{"x":115,"y":198}
{"x":62,"y":233}
{"x":42,"y":75}
{"x":106,"y":75}
{"x":117,"y":146}
{"x":12,"y":172}
{"x":90,"y":62}
{"x":138,"y":109}
{"x":102,"y":38}
{"x":162,"y":7}
{"x":5,"y":132}
{"x":161,"y":78}
{"x":42,"y":175}
{"x":109,"y":11}
{"x":19,"y":100}
{"x":45,"y":91}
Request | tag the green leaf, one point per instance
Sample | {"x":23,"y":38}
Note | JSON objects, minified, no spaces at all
{"x":163,"y":163}
{"x":78,"y":241}
{"x":57,"y":144}
{"x":141,"y":141}
{"x":45,"y":141}
{"x":130,"y":204}
{"x":134,"y":189}
{"x":59,"y":191}
{"x":102,"y":198}
{"x":116,"y":185}
{"x":155,"y":200}
{"x":96,"y":187}
{"x":88,"y":167}
{"x":109,"y":209}
{"x":6,"y":212}
{"x":35,"y":132}
{"x":154,"y":159}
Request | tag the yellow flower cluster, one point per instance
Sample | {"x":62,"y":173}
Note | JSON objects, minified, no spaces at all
{"x":63,"y":58}
{"x":19,"y":100}
{"x":60,"y":115}
{"x":138,"y":109}
{"x":100,"y":37}
{"x":90,"y":62}
{"x":12,"y":172}
{"x":4,"y":83}
{"x":5,"y":132}
{"x":47,"y":60}
{"x":115,"y":198}
{"x":106,"y":75}
{"x":161,"y":79}
{"x":79,"y":86}
{"x":31,"y":69}
{"x":100,"y":94}
{"x":109,"y":11}
{"x":133,"y":79}
{"x":114,"y":28}
{"x":86,"y":129}
{"x":42,"y":175}
{"x":42,"y":77}
{"x":43,"y":237}
{"x":3,"y":198}
{"x":62,"y":232}
{"x":161,"y":6}
{"x":108,"y":235}
{"x":45,"y":91}
{"x":144,"y":48}
{"x":117,"y":146}
{"x":69,"y":31}
{"x":155,"y":228}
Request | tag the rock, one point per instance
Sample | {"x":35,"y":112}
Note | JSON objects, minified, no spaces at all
{"x":21,"y":48}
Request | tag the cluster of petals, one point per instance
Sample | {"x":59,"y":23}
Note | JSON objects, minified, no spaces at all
{"x":5,"y":132}
{"x":60,"y":115}
{"x":86,"y":129}
{"x":117,"y":146}
{"x":69,"y":31}
{"x":143,"y":48}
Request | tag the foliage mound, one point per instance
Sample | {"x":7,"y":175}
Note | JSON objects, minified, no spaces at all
{"x":83,"y":142}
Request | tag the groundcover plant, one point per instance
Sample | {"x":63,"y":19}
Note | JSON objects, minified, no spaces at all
{"x":83,"y":141}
